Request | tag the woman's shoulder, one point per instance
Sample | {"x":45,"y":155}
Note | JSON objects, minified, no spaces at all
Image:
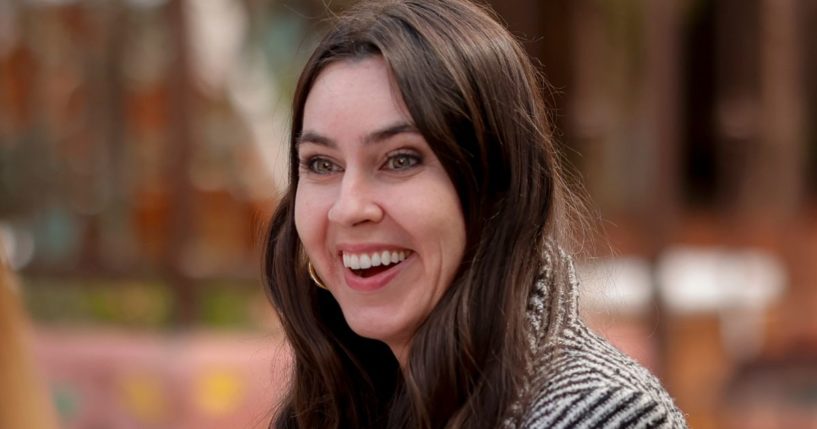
{"x":579,"y":380}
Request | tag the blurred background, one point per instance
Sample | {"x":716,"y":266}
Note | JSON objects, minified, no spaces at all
{"x":142,"y":148}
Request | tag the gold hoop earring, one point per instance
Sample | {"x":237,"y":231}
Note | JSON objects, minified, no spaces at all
{"x":314,"y":276}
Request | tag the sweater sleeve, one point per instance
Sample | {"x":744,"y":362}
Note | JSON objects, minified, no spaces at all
{"x":609,"y":407}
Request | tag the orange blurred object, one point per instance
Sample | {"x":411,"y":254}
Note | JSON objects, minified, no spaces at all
{"x":25,"y":402}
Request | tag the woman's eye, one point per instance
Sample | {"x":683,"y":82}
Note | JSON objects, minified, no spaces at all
{"x":402,"y":161}
{"x":321,"y":166}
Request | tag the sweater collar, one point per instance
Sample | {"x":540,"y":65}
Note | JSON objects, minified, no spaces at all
{"x":553,"y":300}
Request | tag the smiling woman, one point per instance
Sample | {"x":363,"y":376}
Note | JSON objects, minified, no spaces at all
{"x":416,"y":261}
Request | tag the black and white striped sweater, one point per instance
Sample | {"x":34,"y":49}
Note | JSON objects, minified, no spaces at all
{"x":576,"y":378}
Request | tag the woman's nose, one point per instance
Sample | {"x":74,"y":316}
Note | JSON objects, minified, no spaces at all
{"x":356,"y":202}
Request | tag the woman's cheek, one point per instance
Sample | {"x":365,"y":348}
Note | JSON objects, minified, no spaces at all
{"x":312,"y":205}
{"x":306,"y":219}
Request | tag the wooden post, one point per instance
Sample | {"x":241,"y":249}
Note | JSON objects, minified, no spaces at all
{"x":775,"y":179}
{"x":180,"y":149}
{"x":774,"y":189}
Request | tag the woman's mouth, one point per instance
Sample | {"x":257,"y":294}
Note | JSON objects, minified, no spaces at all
{"x":367,"y":264}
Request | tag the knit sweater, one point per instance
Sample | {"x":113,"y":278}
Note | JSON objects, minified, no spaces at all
{"x":576,"y":379}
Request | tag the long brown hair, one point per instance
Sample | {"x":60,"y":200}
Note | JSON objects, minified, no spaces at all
{"x":478,"y":101}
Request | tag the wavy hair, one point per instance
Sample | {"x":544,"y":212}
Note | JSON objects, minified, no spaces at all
{"x":474,"y":95}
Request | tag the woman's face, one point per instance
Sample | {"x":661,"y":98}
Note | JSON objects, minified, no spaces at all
{"x":378,"y":216}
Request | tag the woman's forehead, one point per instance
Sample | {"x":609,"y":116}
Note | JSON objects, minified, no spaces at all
{"x":355,"y":99}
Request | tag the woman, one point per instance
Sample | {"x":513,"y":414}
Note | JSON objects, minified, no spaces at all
{"x":415,"y":260}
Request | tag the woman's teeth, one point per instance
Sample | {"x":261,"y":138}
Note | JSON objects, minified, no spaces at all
{"x":362,"y":261}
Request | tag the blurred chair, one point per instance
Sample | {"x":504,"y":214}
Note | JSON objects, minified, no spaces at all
{"x":25,"y":402}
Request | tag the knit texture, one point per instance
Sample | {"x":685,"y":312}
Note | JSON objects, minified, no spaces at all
{"x":576,"y":379}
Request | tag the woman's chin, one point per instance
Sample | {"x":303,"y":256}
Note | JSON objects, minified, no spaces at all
{"x":377,"y":329}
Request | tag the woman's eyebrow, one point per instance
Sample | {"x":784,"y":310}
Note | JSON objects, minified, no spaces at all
{"x":380,"y":135}
{"x":313,"y":137}
{"x":390,"y":131}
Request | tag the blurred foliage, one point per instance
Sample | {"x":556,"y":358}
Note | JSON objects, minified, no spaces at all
{"x":147,"y":304}
{"x":222,"y":305}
